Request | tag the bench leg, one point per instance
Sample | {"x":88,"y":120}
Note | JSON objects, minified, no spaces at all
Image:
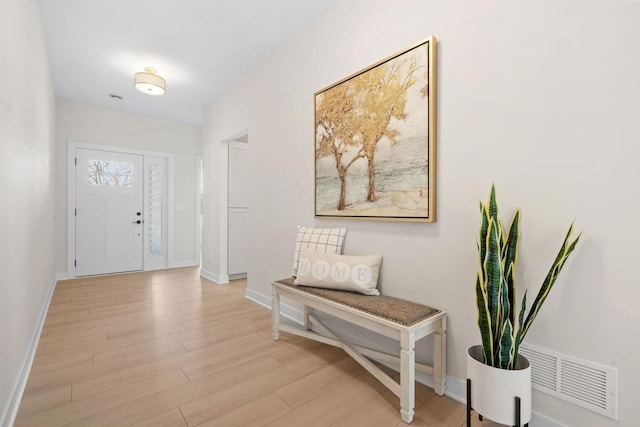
{"x":306,"y":320}
{"x":407,"y":376}
{"x":275,"y":314}
{"x":440,"y":358}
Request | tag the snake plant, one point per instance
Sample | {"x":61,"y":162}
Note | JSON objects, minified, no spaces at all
{"x":501,"y":332}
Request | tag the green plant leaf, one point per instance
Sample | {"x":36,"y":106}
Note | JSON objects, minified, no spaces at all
{"x":493,"y":274}
{"x":565,"y":250}
{"x":484,"y":226}
{"x":518,"y":340}
{"x":510,"y":260}
{"x":484,"y":322}
{"x":507,"y":351}
{"x":493,"y":205}
{"x":504,"y":322}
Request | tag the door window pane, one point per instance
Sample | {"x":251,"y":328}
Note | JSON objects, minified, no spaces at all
{"x":108,"y":173}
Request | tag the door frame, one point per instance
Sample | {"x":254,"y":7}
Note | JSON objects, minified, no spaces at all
{"x":199,"y":208}
{"x":71,"y":198}
{"x":232,"y":208}
{"x":223,"y":174}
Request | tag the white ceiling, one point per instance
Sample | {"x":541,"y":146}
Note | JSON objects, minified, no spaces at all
{"x":201,"y":47}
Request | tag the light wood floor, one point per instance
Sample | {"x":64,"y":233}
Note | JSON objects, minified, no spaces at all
{"x":172,"y":349}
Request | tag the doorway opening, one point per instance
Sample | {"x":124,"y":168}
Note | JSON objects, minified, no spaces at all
{"x":238,"y":209}
{"x":199,"y":207}
{"x":234,"y":206}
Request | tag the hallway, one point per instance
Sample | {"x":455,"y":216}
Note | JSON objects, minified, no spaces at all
{"x":168,"y":348}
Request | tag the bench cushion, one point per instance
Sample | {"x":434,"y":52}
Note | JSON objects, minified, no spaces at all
{"x":396,"y":310}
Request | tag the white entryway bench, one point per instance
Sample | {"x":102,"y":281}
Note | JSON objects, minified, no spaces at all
{"x":402,"y":320}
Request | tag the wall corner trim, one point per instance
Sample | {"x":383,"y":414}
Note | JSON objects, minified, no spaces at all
{"x":220,"y":279}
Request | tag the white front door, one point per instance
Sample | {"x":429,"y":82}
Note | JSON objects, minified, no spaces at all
{"x":109,"y":216}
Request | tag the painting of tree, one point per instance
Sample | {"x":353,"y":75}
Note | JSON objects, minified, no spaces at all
{"x":375,"y":140}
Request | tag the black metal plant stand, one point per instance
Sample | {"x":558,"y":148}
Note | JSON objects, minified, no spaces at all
{"x":470,"y":408}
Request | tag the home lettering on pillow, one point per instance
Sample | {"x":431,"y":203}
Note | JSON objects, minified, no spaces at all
{"x":341,"y":272}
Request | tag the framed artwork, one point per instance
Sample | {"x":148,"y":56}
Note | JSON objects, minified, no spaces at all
{"x":375,"y":140}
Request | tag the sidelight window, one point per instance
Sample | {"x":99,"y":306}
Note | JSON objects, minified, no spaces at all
{"x":155,"y":209}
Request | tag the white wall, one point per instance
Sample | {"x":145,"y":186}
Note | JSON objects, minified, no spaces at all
{"x":95,"y":125}
{"x":26,"y":188}
{"x":541,"y":98}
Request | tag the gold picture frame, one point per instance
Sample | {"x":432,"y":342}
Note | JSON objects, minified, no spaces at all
{"x":375,"y":140}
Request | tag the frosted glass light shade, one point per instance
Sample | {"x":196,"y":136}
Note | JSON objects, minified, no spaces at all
{"x":149,"y":82}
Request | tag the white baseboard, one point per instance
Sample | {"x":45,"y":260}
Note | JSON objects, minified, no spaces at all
{"x":285,"y":310}
{"x":62,"y":276}
{"x":11,"y":410}
{"x":456,"y":388}
{"x":258,"y":298}
{"x":539,"y":420}
{"x":148,"y":269}
{"x":219,"y":279}
{"x":178,"y":264}
{"x":182,"y":264}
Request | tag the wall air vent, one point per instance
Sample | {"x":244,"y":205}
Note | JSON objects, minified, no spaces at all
{"x":583,"y":383}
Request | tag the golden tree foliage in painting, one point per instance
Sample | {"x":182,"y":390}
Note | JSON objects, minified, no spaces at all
{"x":354,"y":116}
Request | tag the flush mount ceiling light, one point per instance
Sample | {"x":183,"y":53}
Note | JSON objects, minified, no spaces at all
{"x":149,"y":82}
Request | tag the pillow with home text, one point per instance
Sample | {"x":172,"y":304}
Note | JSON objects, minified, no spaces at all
{"x":340,"y":272}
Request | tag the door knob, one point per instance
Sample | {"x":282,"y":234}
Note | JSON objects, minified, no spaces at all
{"x":137,"y":222}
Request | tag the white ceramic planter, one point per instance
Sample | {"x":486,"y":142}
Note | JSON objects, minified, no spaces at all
{"x":493,"y":390}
